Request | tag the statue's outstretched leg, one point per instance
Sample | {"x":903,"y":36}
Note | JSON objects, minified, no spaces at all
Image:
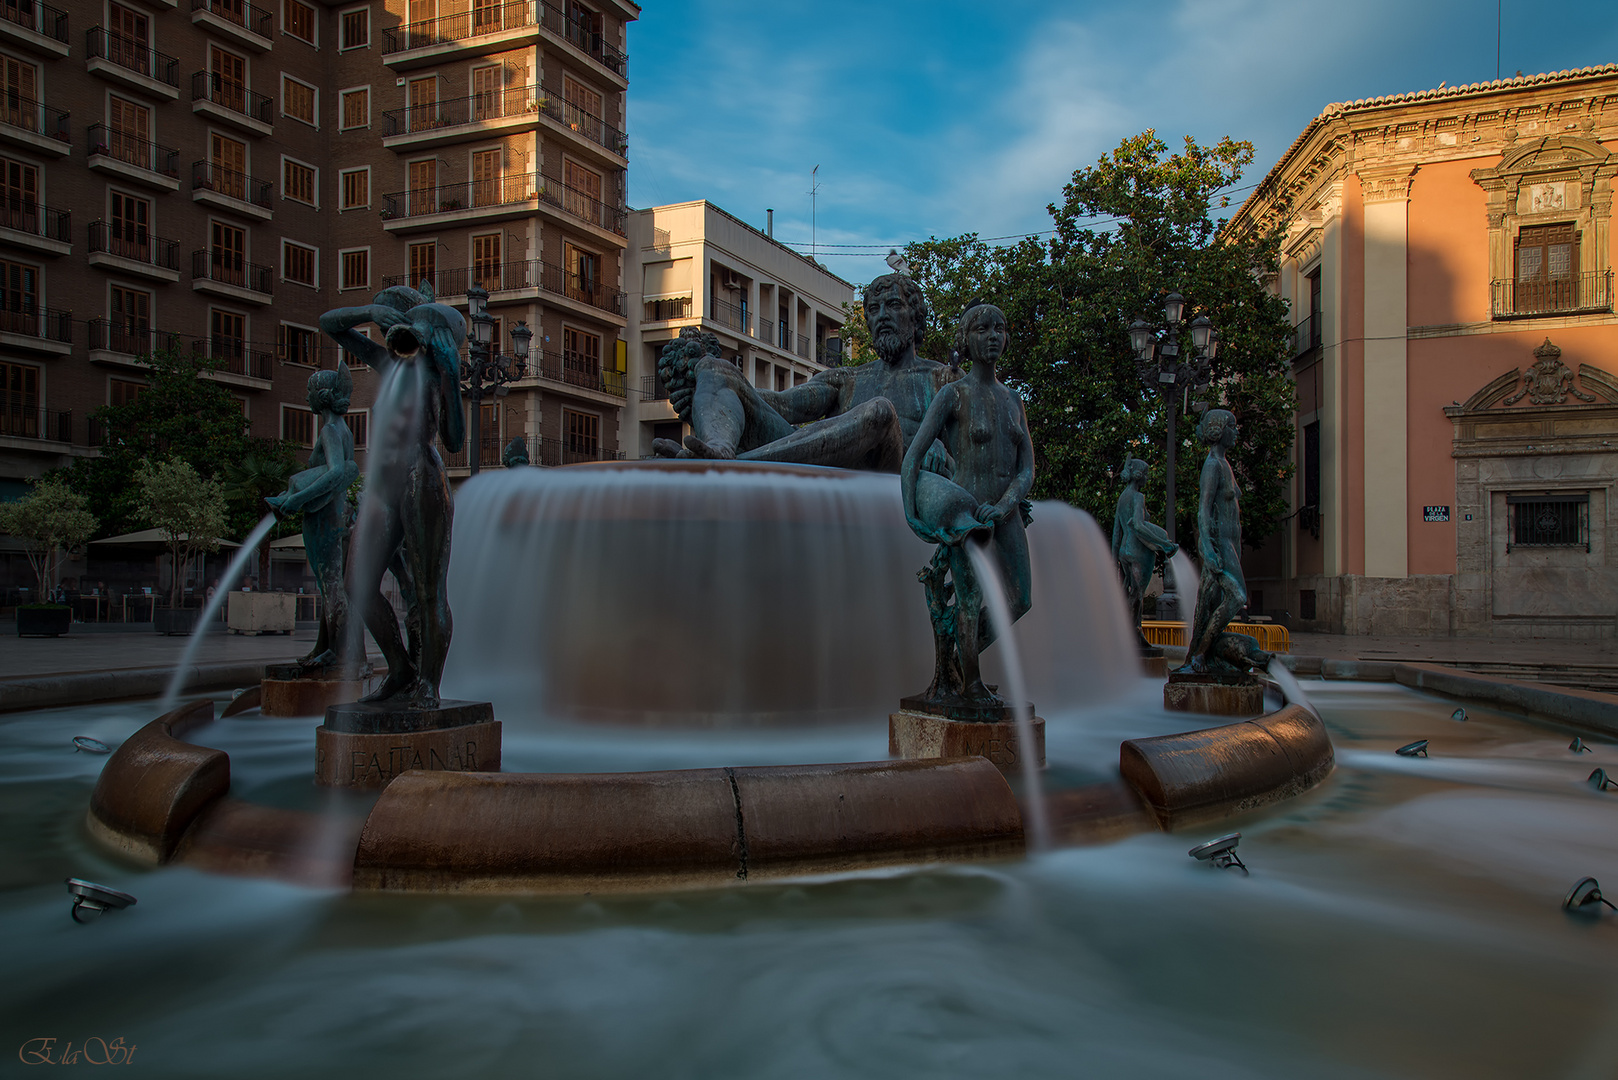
{"x":868,"y":436}
{"x":426,"y":554}
{"x":365,"y":589}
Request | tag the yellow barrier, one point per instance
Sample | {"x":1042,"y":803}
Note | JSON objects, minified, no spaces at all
{"x":1271,"y":637}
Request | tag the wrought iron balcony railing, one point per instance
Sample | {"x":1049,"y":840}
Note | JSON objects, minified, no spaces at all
{"x":132,"y":150}
{"x":1306,"y":335}
{"x":135,"y":340}
{"x":454,"y":112}
{"x":481,"y":20}
{"x":652,"y":388}
{"x":207,"y":176}
{"x":208,"y":86}
{"x":250,"y":17}
{"x":478,"y":195}
{"x":227,"y":269}
{"x":803,"y":346}
{"x":236,"y":356}
{"x":592,"y":127}
{"x":103,"y":44}
{"x":525,"y":274}
{"x":36,"y":422}
{"x":1586,"y":292}
{"x":826,"y":356}
{"x":583,"y":35}
{"x":678,"y":307}
{"x":32,"y":320}
{"x":35,"y":218}
{"x":38,"y":17}
{"x":29,"y":115}
{"x":725,"y":313}
{"x":136,"y":244}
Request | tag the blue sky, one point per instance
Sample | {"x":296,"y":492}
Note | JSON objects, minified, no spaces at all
{"x":949,"y":117}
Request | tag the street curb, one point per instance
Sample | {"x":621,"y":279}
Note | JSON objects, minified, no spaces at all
{"x":82,"y":688}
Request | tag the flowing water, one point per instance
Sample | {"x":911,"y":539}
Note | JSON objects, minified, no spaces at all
{"x":1290,"y":689}
{"x":1187,"y":584}
{"x":233,"y":573}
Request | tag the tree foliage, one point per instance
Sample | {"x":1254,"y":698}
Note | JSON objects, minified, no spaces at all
{"x":1130,"y":229}
{"x":49,"y":520}
{"x":247,"y":481}
{"x":189,"y":510}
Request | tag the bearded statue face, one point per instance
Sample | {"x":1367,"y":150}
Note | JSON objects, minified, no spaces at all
{"x":892,"y":323}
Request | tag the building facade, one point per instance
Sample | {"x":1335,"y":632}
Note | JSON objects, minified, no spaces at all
{"x":1448,"y":255}
{"x":778,"y":314}
{"x":212,"y":174}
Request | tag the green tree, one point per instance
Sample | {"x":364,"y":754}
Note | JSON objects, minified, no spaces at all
{"x":247,"y":481}
{"x":50,"y":520}
{"x":1130,"y":229}
{"x":189,"y":510}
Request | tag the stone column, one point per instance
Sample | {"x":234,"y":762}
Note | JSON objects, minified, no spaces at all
{"x":1386,"y":194}
{"x":1331,"y":379}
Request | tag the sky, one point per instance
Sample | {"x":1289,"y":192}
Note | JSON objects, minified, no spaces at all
{"x":941,"y":118}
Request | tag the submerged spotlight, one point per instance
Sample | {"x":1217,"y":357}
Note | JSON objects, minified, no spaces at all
{"x":94,"y":746}
{"x":1220,"y":852}
{"x":1585,"y":891}
{"x":1600,"y":780}
{"x":90,"y":899}
{"x":1458,"y":714}
{"x":1415,"y":749}
{"x":1577,"y":746}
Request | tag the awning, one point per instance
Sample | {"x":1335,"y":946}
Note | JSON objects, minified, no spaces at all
{"x":150,"y":538}
{"x":666,"y":280}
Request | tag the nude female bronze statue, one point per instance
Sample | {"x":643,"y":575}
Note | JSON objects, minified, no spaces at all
{"x":1137,"y":544}
{"x":321,"y":493}
{"x":1223,"y":590}
{"x":982,"y":426}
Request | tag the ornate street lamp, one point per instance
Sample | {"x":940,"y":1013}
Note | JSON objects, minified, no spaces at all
{"x":1161,"y":364}
{"x":485,"y":372}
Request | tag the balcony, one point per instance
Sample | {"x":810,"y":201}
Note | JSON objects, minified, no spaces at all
{"x":827,"y":356}
{"x":576,"y":371}
{"x":132,"y":63}
{"x":231,"y":102}
{"x":133,"y":158}
{"x":37,"y":329}
{"x":37,"y":127}
{"x":728,"y":315}
{"x":122,"y":343}
{"x":1306,"y":335}
{"x":501,"y":112}
{"x":35,"y":26}
{"x":238,"y":362}
{"x":478,"y":32}
{"x":549,"y":452}
{"x":584,"y":38}
{"x":225,"y":274}
{"x":1574,"y":294}
{"x":449,"y":204}
{"x":144,"y":254}
{"x":590,"y":132}
{"x":238,"y":20}
{"x":676,"y":307}
{"x":652,"y":388}
{"x":528,"y":276}
{"x":35,"y":227}
{"x":803,"y":346}
{"x":35,"y":422}
{"x":215,"y":185}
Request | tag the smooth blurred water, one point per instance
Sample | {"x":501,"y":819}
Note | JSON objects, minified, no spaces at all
{"x":1401,"y":921}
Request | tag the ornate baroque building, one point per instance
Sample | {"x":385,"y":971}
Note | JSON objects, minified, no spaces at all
{"x":1448,"y":255}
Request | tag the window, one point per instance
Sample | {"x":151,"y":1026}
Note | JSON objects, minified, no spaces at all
{"x":228,"y":159}
{"x":127,"y":229}
{"x":19,"y":297}
{"x":1309,"y":512}
{"x":128,"y":35}
{"x":19,"y":196}
{"x":130,"y":316}
{"x":356,"y":188}
{"x":298,"y":20}
{"x":356,"y":269}
{"x":297,"y":100}
{"x":356,"y":29}
{"x":486,"y":261}
{"x":129,"y":129}
{"x":423,"y":186}
{"x":296,"y":345}
{"x":489,"y":433}
{"x":424,"y":264}
{"x":581,"y":357}
{"x":582,"y":197}
{"x":124,"y":391}
{"x":583,"y":435}
{"x":227,"y":253}
{"x":19,"y":400}
{"x":1547,"y":269}
{"x":298,"y":263}
{"x":421,"y":97}
{"x":581,"y":107}
{"x":356,"y":108}
{"x":297,"y":425}
{"x":1549,"y":520}
{"x":227,"y":339}
{"x":486,"y":178}
{"x":297,"y":181}
{"x":359,"y":423}
{"x":227,"y":79}
{"x":583,"y":274}
{"x":486,"y":85}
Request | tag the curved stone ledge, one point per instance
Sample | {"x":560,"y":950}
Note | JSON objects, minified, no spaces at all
{"x":154,"y":786}
{"x":1589,"y":709}
{"x":84,"y":687}
{"x":1217,"y":772}
{"x":487,"y":832}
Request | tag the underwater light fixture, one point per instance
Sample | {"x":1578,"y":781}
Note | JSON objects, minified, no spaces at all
{"x":1458,"y":714}
{"x":1600,"y":780}
{"x":1585,"y":891}
{"x":94,"y":746}
{"x":90,"y":899}
{"x":1577,"y":746}
{"x":1220,"y":852}
{"x":1415,"y":749}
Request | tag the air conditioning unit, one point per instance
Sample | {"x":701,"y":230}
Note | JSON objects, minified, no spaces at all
{"x":728,"y":280}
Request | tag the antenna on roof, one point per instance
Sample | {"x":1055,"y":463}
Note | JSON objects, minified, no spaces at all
{"x":814,"y":186}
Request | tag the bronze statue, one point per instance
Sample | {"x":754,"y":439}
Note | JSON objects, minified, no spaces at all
{"x":1223,"y":590}
{"x":862,"y":417}
{"x":515,"y":454}
{"x":406,"y":512}
{"x":1137,"y":544}
{"x":982,"y":426}
{"x":321,"y":493}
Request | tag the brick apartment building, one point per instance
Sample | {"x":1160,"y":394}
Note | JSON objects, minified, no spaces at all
{"x":211,"y":174}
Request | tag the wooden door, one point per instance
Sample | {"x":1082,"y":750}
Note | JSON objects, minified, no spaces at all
{"x":423,"y":187}
{"x":22,"y":101}
{"x":1547,"y":268}
{"x":583,"y":196}
{"x":129,"y":223}
{"x":486,"y":261}
{"x":422,"y":97}
{"x":129,"y":32}
{"x":130,"y":125}
{"x":229,"y":79}
{"x":20,"y":208}
{"x":229,"y":254}
{"x":486,"y":178}
{"x":486,"y":97}
{"x":229,"y":160}
{"x":583,"y":108}
{"x":420,"y":30}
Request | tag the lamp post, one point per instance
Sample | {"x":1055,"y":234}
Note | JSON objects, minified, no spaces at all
{"x":487,"y":372}
{"x":1160,"y":364}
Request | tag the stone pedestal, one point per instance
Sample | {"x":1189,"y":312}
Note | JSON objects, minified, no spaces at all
{"x":366,"y":745}
{"x":255,"y":613}
{"x":1216,"y":695}
{"x":287,"y":691}
{"x":923,"y":729}
{"x":1155,"y":661}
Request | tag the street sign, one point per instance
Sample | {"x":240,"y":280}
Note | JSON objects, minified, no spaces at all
{"x":1435,"y":513}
